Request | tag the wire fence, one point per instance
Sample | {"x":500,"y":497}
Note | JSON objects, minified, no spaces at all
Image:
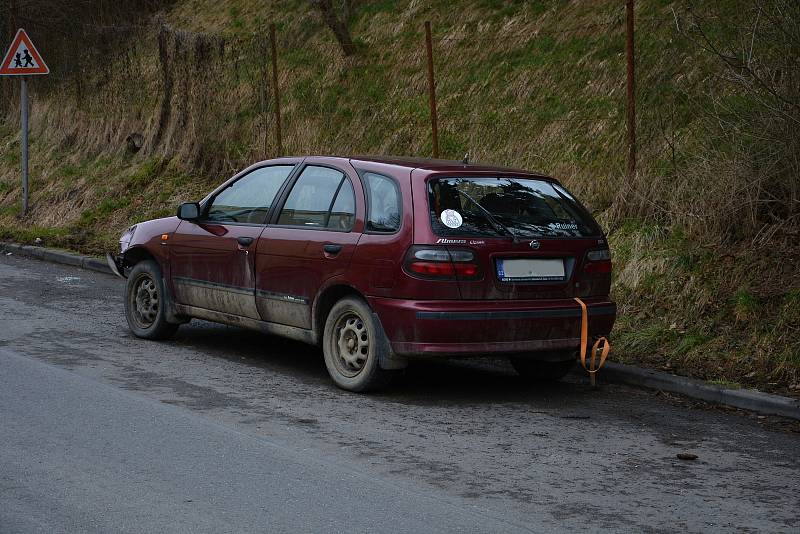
{"x":509,"y":95}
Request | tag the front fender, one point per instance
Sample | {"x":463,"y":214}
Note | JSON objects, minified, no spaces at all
{"x":146,"y":239}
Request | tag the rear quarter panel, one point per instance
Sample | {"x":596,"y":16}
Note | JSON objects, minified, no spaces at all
{"x":376,"y":265}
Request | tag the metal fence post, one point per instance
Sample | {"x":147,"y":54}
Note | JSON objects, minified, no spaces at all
{"x":631,"y":81}
{"x":432,"y":90}
{"x":23,"y":111}
{"x":276,"y":90}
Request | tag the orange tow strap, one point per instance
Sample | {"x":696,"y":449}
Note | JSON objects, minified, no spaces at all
{"x":602,"y":344}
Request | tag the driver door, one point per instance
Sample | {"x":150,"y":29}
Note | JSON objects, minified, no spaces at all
{"x":212,"y":259}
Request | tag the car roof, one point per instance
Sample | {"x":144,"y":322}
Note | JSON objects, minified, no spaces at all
{"x":433,"y":166}
{"x":443,"y":165}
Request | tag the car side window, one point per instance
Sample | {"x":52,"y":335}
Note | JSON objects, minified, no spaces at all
{"x":248,"y":199}
{"x":321,"y":198}
{"x":384,"y":203}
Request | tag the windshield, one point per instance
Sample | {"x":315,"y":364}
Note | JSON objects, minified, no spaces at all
{"x":520,"y":207}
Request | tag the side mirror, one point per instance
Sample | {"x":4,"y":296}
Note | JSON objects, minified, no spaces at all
{"x":189,"y":211}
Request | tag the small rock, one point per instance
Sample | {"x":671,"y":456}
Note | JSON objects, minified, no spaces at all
{"x":9,"y":253}
{"x":686,"y":456}
{"x":134,"y":142}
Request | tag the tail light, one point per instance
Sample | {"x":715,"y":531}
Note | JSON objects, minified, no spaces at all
{"x":437,"y":263}
{"x":597,"y":262}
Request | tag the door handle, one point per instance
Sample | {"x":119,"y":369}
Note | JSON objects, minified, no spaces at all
{"x":245,"y":241}
{"x":332,"y":248}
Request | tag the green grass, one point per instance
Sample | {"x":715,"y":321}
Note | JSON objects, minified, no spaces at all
{"x":10,"y":157}
{"x":50,"y":236}
{"x":145,"y":174}
{"x":725,"y":383}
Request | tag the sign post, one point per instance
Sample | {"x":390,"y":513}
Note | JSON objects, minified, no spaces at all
{"x":22,"y":59}
{"x":23,"y":112}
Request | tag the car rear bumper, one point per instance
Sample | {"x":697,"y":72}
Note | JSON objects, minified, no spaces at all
{"x":463,"y":328}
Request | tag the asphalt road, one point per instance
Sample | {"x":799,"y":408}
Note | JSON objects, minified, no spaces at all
{"x":224,"y":430}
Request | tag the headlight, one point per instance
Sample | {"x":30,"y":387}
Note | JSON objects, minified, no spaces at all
{"x":125,"y":240}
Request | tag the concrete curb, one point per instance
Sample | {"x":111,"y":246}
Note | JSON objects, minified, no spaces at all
{"x":57,"y":256}
{"x":746,"y":399}
{"x":615,"y":373}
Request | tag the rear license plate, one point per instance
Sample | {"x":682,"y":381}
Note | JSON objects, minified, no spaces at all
{"x":530,"y":270}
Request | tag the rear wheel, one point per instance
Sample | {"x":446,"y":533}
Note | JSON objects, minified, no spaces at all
{"x":552,"y":369}
{"x":146,"y":302}
{"x":352,"y":343}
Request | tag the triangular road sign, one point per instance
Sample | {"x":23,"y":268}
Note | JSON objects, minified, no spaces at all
{"x":22,"y":58}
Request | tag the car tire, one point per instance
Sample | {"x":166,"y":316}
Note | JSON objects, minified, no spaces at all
{"x":352,"y":343}
{"x":539,"y":370}
{"x":146,"y":302}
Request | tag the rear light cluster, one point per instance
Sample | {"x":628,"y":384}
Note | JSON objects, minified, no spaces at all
{"x":437,"y":263}
{"x":597,"y":262}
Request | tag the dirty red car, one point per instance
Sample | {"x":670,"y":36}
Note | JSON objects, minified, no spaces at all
{"x":379,"y":261}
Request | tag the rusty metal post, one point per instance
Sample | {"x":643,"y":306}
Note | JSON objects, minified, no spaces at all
{"x":631,"y":94}
{"x":432,"y":90}
{"x":263,"y":49}
{"x":276,"y":89}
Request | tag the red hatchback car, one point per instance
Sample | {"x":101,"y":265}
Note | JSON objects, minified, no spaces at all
{"x":379,"y":260}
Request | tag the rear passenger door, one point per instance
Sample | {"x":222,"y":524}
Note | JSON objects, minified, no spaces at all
{"x":310,"y":240}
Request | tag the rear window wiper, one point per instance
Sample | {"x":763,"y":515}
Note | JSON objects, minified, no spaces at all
{"x":491,"y":218}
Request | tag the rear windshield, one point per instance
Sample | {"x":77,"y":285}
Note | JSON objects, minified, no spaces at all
{"x":523,"y":207}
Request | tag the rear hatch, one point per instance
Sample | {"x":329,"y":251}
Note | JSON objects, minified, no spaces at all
{"x":529,"y":237}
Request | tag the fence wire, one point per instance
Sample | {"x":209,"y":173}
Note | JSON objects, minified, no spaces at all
{"x":209,"y":98}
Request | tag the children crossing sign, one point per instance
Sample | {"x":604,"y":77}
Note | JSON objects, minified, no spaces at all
{"x":22,"y":58}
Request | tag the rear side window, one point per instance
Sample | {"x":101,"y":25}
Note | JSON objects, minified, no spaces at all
{"x":384,"y":203}
{"x":499,"y":206}
{"x":248,"y":199}
{"x":321,"y":198}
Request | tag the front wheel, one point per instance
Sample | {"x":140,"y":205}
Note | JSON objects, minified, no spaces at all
{"x":352,"y":343}
{"x":544,"y":370}
{"x":146,"y":302}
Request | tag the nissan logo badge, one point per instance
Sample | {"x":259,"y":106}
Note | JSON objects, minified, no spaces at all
{"x":535,"y":244}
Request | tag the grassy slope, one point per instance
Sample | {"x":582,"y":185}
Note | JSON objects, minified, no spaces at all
{"x":530,"y":84}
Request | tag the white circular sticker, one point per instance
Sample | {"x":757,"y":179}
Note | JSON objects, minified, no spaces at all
{"x":451,"y":218}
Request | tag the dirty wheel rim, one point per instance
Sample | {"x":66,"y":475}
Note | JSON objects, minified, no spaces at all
{"x":144,"y":301}
{"x":350,"y":344}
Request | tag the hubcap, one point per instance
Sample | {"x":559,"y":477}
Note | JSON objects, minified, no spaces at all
{"x":145,"y":301}
{"x":351,"y":344}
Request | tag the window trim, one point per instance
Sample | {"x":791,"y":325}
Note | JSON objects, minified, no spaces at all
{"x":272,"y":220}
{"x":368,"y":194}
{"x":206,"y":204}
